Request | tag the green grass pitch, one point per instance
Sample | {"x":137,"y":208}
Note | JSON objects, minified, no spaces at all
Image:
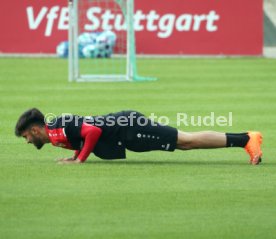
{"x":196,"y":194}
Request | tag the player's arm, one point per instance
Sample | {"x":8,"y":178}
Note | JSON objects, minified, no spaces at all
{"x":90,"y":135}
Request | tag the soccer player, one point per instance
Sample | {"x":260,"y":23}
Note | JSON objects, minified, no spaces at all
{"x":109,"y":136}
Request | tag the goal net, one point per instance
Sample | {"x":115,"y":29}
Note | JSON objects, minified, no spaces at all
{"x":102,"y":41}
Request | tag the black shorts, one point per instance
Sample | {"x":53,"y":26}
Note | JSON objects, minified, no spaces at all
{"x":137,"y":133}
{"x":145,"y":135}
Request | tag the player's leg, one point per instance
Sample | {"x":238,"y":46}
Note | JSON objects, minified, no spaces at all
{"x":143,"y":137}
{"x":250,"y":141}
{"x":200,"y":140}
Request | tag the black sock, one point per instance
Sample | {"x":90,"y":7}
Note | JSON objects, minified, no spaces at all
{"x":236,"y":140}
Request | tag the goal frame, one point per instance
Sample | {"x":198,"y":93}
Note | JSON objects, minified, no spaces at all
{"x":74,"y":74}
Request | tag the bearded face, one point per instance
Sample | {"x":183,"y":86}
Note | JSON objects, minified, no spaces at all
{"x":33,"y":138}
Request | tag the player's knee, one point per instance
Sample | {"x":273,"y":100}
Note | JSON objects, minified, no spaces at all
{"x":185,"y":141}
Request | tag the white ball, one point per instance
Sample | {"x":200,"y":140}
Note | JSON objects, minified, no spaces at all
{"x":62,"y":49}
{"x":85,"y":38}
{"x":88,"y":51}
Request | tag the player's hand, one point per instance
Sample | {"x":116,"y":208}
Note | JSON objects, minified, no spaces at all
{"x":66,"y":159}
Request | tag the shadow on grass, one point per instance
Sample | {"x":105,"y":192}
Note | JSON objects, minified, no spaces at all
{"x":134,"y":162}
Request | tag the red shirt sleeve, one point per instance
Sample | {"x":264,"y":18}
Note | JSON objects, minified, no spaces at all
{"x":90,"y":135}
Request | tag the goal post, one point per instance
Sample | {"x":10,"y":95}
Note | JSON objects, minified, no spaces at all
{"x":102,"y":41}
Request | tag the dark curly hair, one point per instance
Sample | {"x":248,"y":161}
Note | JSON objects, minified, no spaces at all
{"x":27,"y":119}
